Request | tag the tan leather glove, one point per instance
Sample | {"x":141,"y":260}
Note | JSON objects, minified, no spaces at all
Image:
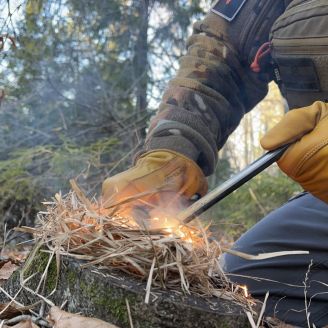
{"x":156,"y":174}
{"x":306,"y":161}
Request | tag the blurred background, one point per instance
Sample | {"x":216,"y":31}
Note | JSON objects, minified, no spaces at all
{"x":79,"y":82}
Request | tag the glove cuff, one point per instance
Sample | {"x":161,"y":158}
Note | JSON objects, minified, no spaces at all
{"x":186,"y":139}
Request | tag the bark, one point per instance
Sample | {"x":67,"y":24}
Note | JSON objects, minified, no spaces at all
{"x":141,"y":68}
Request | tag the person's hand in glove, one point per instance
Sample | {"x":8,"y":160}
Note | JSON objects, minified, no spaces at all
{"x":157,"y":178}
{"x":305,"y":161}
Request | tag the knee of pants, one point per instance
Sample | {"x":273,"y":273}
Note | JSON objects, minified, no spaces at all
{"x":230,"y":263}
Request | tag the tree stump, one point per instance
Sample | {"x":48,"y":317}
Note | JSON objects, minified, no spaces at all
{"x":102,"y":294}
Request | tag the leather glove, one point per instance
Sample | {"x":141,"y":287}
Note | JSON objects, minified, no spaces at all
{"x":305,"y":161}
{"x":158,"y":176}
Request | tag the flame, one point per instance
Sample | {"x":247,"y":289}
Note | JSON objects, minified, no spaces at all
{"x":169,"y":231}
{"x":159,"y":220}
{"x":183,"y":232}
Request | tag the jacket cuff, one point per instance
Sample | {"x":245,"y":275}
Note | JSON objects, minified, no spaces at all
{"x":178,"y":137}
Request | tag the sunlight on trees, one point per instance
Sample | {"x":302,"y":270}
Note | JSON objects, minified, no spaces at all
{"x":243,"y":146}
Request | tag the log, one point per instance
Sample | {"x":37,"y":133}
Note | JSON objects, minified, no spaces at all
{"x":103,"y":294}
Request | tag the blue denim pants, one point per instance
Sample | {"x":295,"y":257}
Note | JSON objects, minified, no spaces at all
{"x":295,"y":282}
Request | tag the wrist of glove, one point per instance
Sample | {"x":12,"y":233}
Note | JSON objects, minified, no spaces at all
{"x":155,"y":174}
{"x":305,"y":161}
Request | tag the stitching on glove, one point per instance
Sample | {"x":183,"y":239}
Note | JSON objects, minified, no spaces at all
{"x":309,"y":154}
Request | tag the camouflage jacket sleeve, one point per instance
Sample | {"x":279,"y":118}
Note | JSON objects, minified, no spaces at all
{"x":214,"y":86}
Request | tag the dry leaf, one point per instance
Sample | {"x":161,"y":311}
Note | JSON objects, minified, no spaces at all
{"x":7,"y":270}
{"x":10,"y":311}
{"x":62,"y":319}
{"x":16,"y":254}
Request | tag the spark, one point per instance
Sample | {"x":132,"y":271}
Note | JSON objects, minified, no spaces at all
{"x":182,"y":234}
{"x":170,"y":231}
{"x":245,"y":289}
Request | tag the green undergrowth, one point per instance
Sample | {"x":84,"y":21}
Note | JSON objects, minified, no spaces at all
{"x":29,"y":176}
{"x":251,"y":202}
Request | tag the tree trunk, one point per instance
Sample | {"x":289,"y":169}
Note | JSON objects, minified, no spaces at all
{"x":141,"y":68}
{"x":103,"y":294}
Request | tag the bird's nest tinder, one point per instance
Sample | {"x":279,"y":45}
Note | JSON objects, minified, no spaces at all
{"x":181,"y":259}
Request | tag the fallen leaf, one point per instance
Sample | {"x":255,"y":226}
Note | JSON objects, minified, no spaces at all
{"x":11,"y":311}
{"x":7,"y":270}
{"x":16,"y":255}
{"x":62,"y":319}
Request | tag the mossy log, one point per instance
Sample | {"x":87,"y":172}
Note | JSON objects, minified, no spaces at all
{"x":102,"y":294}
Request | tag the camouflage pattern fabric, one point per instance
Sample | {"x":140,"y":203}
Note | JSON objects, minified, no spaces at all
{"x":214,"y":86}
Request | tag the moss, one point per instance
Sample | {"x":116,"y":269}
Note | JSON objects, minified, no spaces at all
{"x":15,"y":276}
{"x":104,"y":298}
{"x":72,"y":278}
{"x":38,"y":265}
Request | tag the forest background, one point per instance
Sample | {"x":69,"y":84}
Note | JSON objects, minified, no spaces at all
{"x":78,"y":89}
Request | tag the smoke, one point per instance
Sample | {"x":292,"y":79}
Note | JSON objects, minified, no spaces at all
{"x":155,"y":212}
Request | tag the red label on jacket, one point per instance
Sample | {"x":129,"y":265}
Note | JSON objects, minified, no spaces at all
{"x":228,"y":9}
